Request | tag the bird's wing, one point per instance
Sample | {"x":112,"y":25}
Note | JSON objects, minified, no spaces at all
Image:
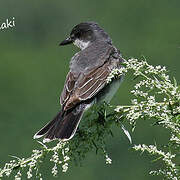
{"x":85,"y":87}
{"x":68,"y":88}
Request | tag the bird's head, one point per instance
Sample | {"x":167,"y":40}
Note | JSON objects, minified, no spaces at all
{"x":83,"y":34}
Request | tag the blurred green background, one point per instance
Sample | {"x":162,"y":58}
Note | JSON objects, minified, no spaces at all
{"x":33,"y":69}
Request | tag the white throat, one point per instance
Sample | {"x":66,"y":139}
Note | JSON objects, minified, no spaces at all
{"x":81,"y":44}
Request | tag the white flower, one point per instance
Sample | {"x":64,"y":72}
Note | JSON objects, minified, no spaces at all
{"x":65,"y":167}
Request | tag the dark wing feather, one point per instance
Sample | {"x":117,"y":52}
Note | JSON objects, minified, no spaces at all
{"x":93,"y":82}
{"x":88,"y":85}
{"x":68,"y":87}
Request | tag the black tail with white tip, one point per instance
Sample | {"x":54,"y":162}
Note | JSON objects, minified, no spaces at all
{"x":63,"y":126}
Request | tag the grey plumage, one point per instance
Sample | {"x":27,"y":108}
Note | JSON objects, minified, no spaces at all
{"x":86,"y":81}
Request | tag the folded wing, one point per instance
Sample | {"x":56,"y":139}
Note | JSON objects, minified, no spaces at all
{"x":85,"y":86}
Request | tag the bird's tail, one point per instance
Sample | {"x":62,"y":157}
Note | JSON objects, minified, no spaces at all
{"x":63,"y":126}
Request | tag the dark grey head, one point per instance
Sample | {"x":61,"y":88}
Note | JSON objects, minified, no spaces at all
{"x":83,"y":34}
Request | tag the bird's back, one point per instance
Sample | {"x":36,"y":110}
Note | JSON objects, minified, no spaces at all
{"x":90,"y":58}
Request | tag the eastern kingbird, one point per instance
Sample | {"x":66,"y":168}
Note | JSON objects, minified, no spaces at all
{"x":86,"y":82}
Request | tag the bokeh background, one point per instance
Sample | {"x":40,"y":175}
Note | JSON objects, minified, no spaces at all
{"x":33,"y":69}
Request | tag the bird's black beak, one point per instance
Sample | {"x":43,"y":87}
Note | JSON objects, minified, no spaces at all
{"x":66,"y":41}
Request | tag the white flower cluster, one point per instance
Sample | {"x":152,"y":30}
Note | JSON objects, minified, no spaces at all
{"x":155,"y":82}
{"x":22,"y":163}
{"x":157,"y":97}
{"x":175,"y":139}
{"x":116,"y":73}
{"x":59,"y":152}
{"x":107,"y":158}
{"x":171,"y":171}
{"x":167,"y":174}
{"x":37,"y":154}
{"x":18,"y":176}
{"x":8,"y":168}
{"x":60,"y":149}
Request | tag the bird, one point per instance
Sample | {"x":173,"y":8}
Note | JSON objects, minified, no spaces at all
{"x":86,"y":81}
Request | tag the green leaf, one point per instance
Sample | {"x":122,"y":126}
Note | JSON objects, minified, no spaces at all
{"x":175,"y":82}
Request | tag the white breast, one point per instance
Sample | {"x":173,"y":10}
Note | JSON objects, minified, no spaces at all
{"x":81,"y":44}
